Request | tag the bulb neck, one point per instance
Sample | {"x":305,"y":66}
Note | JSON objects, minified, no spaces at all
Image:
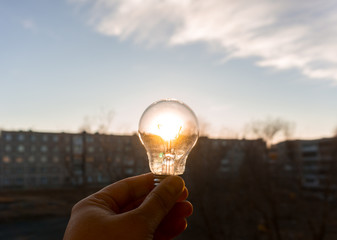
{"x":158,"y":178}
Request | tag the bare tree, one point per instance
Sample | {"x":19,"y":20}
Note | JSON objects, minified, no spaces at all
{"x":108,"y":161}
{"x":86,"y":125}
{"x":104,"y":120}
{"x":100,"y":123}
{"x":263,"y":179}
{"x":269,"y":128}
{"x":228,"y":133}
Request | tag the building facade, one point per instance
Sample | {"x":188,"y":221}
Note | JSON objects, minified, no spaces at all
{"x":37,"y":159}
{"x":314,"y":162}
{"x":30,"y":159}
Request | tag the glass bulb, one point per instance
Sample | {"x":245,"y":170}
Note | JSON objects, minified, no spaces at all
{"x":168,"y":130}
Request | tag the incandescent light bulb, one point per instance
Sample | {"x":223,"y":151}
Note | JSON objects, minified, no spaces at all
{"x":168,"y":130}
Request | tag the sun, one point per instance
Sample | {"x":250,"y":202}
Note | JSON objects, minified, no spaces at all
{"x":167,"y":126}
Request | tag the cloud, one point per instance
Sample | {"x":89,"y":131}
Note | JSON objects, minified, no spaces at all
{"x":279,"y":34}
{"x":29,"y":24}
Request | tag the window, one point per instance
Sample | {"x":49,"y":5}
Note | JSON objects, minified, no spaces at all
{"x":78,"y":149}
{"x":78,"y":140}
{"x":8,"y":137}
{"x":19,"y":181}
{"x":127,"y":148}
{"x":6,"y":159}
{"x":8,"y":148}
{"x":89,"y":139}
{"x":31,"y":159}
{"x":19,"y":160}
{"x":45,"y":137}
{"x":99,"y":177}
{"x":309,"y":154}
{"x":6,"y":181}
{"x":44,"y":159}
{"x":91,"y":149}
{"x":44,"y":148}
{"x":128,"y":161}
{"x":44,"y":180}
{"x":224,"y":169}
{"x":56,"y":149}
{"x":56,"y":159}
{"x":55,"y":138}
{"x":129,"y":171}
{"x":21,"y":137}
{"x":224,"y":161}
{"x":21,"y":148}
{"x":33,"y":138}
{"x":215,"y":144}
{"x":309,"y":147}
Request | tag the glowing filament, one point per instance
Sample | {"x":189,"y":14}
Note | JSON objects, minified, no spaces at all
{"x":167,"y":127}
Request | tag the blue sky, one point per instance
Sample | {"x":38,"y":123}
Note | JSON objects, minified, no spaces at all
{"x":232,"y":63}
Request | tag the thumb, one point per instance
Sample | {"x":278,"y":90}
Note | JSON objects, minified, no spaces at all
{"x":161,"y":200}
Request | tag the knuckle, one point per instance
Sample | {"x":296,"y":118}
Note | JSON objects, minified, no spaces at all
{"x":78,"y":206}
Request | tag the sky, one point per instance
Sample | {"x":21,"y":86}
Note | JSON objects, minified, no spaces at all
{"x":65,"y":64}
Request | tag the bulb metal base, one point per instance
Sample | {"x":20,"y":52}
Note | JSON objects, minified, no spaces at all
{"x":158,"y":178}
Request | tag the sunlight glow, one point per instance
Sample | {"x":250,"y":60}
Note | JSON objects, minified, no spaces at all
{"x":167,"y":126}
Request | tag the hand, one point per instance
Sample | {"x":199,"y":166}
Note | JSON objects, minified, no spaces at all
{"x":132,"y":209}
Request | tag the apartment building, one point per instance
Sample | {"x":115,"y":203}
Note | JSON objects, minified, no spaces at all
{"x":223,"y":157}
{"x":38,"y":159}
{"x":313,"y":161}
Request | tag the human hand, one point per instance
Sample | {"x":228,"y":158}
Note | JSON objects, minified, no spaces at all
{"x":132,"y":209}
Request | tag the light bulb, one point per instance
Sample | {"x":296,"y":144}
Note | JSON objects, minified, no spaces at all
{"x":168,"y":130}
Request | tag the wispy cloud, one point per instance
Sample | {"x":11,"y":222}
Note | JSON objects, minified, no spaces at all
{"x":279,"y":34}
{"x":29,"y":24}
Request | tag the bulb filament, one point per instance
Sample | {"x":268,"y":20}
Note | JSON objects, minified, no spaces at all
{"x":169,"y":153}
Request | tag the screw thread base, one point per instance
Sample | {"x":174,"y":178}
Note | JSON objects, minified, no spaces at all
{"x":158,"y":178}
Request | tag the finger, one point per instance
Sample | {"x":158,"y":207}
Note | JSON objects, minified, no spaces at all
{"x":175,"y":229}
{"x":138,"y":202}
{"x":161,"y":200}
{"x":174,"y":222}
{"x":120,"y":194}
{"x":183,"y":195}
{"x":181,"y":210}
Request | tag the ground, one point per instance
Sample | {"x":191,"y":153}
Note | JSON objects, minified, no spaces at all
{"x":37,"y":214}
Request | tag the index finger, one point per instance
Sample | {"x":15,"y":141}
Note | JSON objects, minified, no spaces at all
{"x":119,"y":194}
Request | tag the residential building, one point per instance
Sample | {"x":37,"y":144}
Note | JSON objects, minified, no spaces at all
{"x":37,"y":159}
{"x":313,"y":161}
